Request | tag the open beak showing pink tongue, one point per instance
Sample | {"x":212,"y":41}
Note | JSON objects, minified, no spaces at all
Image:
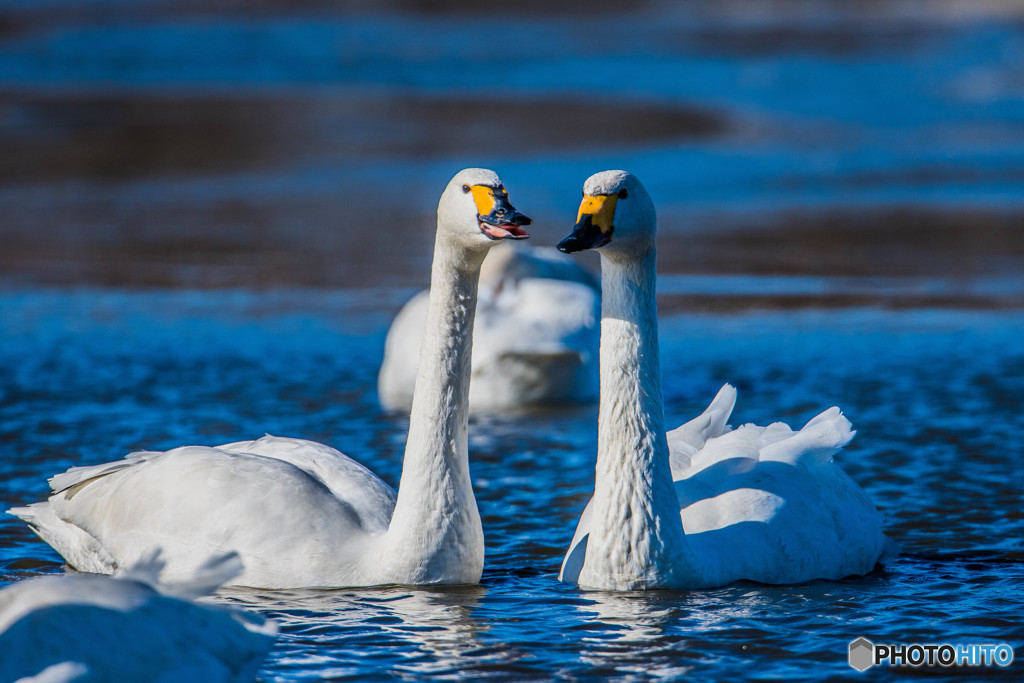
{"x":503,"y":222}
{"x":504,"y":231}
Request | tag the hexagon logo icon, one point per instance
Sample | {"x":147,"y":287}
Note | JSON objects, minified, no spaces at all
{"x":862,"y":654}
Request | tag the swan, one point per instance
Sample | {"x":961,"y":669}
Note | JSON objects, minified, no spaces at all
{"x":129,"y":627}
{"x":703,"y":505}
{"x":535,"y":339}
{"x":299,"y":513}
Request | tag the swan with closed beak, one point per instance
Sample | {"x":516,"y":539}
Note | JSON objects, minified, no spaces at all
{"x":299,"y":513}
{"x":703,"y":505}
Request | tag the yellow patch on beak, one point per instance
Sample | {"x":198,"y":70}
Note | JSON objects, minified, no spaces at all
{"x":601,"y":209}
{"x":484,"y":198}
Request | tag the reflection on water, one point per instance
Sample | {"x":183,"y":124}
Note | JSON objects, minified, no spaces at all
{"x":634,"y":616}
{"x":935,"y":397}
{"x":419,"y":631}
{"x":853,"y":167}
{"x":630,"y":637}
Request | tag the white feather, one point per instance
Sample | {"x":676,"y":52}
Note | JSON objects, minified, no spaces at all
{"x":299,"y":513}
{"x":703,"y":505}
{"x":130,"y":627}
{"x":534,"y":343}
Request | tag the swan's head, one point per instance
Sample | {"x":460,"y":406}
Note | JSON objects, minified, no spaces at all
{"x":616,"y":215}
{"x":475,"y":211}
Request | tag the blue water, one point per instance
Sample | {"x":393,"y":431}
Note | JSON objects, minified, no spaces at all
{"x":88,"y":375}
{"x":905,"y":108}
{"x":822,"y":111}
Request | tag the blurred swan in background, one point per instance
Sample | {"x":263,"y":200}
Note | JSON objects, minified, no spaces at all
{"x":131,"y":627}
{"x":704,"y":505}
{"x":535,"y":341}
{"x":301,"y":513}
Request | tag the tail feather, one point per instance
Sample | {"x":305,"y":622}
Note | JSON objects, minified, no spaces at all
{"x":709,"y":424}
{"x":79,"y":548}
{"x":82,"y":475}
{"x":207,"y":578}
{"x":814,"y":445}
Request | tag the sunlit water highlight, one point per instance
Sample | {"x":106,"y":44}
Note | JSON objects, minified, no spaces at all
{"x":936,"y":397}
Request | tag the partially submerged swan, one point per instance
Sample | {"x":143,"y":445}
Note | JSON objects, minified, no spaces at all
{"x":130,"y":627}
{"x":535,"y":339}
{"x":301,"y":513}
{"x":704,"y":505}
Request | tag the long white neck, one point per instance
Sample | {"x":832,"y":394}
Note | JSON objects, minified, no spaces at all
{"x":435,"y":532}
{"x":636,"y":536}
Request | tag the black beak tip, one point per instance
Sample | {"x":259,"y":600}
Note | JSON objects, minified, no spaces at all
{"x":569,"y":245}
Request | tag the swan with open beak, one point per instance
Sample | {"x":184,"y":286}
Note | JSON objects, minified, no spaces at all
{"x":498,"y":219}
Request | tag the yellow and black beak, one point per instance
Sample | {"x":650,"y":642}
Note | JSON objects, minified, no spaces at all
{"x":594,"y":225}
{"x":498,"y":219}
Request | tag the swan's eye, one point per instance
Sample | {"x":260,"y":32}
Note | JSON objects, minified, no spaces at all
{"x":623,"y":194}
{"x":465,"y":188}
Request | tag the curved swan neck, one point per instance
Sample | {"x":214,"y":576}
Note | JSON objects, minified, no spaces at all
{"x":440,"y":407}
{"x":435,"y":516}
{"x":637,"y":537}
{"x":630,"y":363}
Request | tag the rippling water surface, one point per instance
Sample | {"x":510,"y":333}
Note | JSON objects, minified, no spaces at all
{"x":840,"y":207}
{"x":936,"y":396}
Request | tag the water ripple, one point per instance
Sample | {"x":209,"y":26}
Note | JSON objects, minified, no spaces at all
{"x":935,"y":396}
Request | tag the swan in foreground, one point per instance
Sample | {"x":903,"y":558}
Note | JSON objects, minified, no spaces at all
{"x":299,"y":513}
{"x":704,"y":505}
{"x":534,"y":343}
{"x":129,"y":627}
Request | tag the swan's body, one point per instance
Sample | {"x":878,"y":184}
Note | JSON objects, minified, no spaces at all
{"x":704,"y":505}
{"x":131,"y":627}
{"x":535,"y":340}
{"x":300,"y":513}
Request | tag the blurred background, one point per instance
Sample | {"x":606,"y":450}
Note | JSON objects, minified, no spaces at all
{"x":800,"y":152}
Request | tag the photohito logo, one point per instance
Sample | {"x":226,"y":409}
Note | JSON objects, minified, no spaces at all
{"x":864,"y":654}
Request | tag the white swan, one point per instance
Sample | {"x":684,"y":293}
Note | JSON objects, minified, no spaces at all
{"x":705,"y":505}
{"x":534,"y":343}
{"x":130,"y":627}
{"x":300,"y":513}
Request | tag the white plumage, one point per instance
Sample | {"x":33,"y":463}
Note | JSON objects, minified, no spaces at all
{"x":703,"y":505}
{"x":534,"y":343}
{"x":130,"y":627}
{"x":301,"y":513}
